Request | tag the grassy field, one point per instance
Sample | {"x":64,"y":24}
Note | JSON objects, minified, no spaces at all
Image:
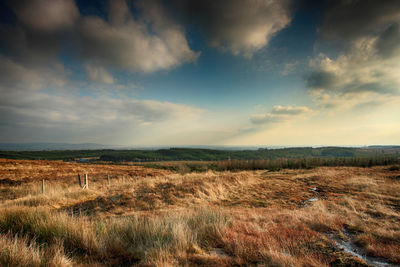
{"x":326,"y":216}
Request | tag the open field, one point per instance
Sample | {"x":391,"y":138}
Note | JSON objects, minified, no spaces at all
{"x":326,"y":216}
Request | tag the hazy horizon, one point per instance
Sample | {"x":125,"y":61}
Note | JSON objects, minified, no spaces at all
{"x":154,"y":73}
{"x":93,"y":146}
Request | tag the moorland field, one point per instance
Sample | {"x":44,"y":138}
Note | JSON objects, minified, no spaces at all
{"x":141,"y":216}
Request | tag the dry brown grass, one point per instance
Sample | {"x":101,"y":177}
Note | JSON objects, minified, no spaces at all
{"x":163,"y":218}
{"x":16,"y":251}
{"x":24,"y":171}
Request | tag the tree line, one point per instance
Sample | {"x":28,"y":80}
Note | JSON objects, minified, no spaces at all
{"x":305,"y":163}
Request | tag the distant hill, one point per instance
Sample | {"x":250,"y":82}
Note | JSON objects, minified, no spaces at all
{"x":52,"y":146}
{"x":41,"y":146}
{"x":383,"y":147}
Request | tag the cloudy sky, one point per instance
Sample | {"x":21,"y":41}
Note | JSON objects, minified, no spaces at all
{"x":200,"y":72}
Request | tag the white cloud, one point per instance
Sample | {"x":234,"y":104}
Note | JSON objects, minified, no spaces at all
{"x":281,"y":114}
{"x":290,"y":110}
{"x":148,"y":42}
{"x":357,"y":76}
{"x":366,"y":70}
{"x":98,"y":74}
{"x":364,"y":101}
{"x":240,"y":27}
{"x":62,"y":114}
{"x":289,"y":68}
{"x":151,"y":40}
{"x":358,"y":70}
{"x":147,"y":45}
{"x":123,"y":120}
{"x":16,"y":76}
{"x":48,"y":110}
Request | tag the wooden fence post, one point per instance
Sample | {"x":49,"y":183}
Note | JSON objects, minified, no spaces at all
{"x":79,"y":180}
{"x":86,"y":186}
{"x":108,"y":179}
{"x":42,"y":186}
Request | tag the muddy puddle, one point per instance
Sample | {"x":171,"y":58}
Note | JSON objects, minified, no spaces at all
{"x":314,"y":198}
{"x":350,"y":247}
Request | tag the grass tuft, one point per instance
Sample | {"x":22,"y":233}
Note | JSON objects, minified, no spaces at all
{"x":16,"y":251}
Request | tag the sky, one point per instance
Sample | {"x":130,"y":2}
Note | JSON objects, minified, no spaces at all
{"x":200,"y":72}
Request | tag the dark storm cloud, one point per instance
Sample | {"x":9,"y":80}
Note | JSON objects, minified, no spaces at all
{"x":30,"y":47}
{"x":44,"y":15}
{"x":351,"y":19}
{"x":41,"y":28}
{"x":388,"y":43}
{"x":320,"y":79}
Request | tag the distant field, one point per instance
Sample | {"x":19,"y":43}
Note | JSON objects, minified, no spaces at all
{"x":324,"y":216}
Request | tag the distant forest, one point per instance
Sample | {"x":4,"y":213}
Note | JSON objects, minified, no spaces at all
{"x":194,"y":154}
